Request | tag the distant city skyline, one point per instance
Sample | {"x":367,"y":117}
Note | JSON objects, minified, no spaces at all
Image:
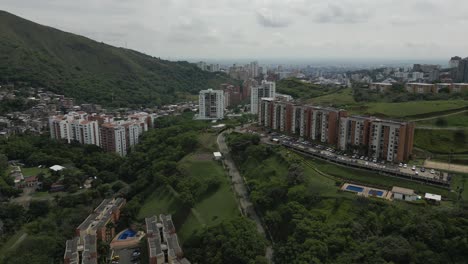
{"x":263,"y":29}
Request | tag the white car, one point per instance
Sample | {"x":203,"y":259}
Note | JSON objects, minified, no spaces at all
{"x":405,"y":165}
{"x":413,"y":168}
{"x":416,"y":172}
{"x":400,"y":165}
{"x":432,"y":171}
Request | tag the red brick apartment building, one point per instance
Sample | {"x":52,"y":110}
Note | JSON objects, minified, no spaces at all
{"x":382,"y":139}
{"x":98,"y":226}
{"x":310,"y":122}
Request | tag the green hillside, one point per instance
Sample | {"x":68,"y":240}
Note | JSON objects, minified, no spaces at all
{"x":298,"y":89}
{"x":91,"y":71}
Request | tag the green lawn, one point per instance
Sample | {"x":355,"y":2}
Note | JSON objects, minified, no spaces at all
{"x":161,"y":201}
{"x":341,"y":98}
{"x":460,"y":181}
{"x":212,"y":209}
{"x":208,"y":142}
{"x":34,"y":171}
{"x":400,"y":110}
{"x":461,"y":159}
{"x":458,"y":120}
{"x":442,"y":141}
{"x":365,"y":177}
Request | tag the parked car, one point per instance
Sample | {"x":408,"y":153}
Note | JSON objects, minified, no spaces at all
{"x":416,"y":172}
{"x":400,"y":165}
{"x":413,"y":168}
{"x":405,"y":165}
{"x":374,"y":160}
{"x":432,"y":171}
{"x":423,"y":169}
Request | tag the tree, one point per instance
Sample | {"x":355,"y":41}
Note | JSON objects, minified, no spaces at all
{"x":38,"y":209}
{"x":230,"y":242}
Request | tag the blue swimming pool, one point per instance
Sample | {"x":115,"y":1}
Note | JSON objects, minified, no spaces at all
{"x":354,"y":188}
{"x":375,"y":192}
{"x":126,"y":234}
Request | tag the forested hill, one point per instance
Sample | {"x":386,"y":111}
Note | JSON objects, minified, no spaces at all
{"x":91,"y":71}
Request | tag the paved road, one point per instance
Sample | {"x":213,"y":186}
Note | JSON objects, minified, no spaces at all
{"x":241,"y":191}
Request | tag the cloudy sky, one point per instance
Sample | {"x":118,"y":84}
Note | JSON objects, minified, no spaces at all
{"x":226,"y":29}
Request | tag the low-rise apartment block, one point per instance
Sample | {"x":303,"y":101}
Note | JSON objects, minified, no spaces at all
{"x":425,"y":88}
{"x":98,"y":226}
{"x":421,"y":88}
{"x":382,"y":139}
{"x":163,"y":244}
{"x":381,"y":87}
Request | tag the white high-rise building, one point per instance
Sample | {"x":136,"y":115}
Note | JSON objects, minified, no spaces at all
{"x":75,"y":126}
{"x":266,"y":89}
{"x":254,"y":69}
{"x":211,"y":104}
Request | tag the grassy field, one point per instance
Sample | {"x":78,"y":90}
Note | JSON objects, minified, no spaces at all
{"x":442,"y":141}
{"x":461,"y":159}
{"x":342,"y":98}
{"x":365,"y":177}
{"x":460,"y":181}
{"x":34,"y":171}
{"x":212,"y":209}
{"x":208,"y":142}
{"x":405,"y":109}
{"x":458,"y":120}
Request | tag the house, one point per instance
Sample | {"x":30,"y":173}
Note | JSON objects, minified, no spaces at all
{"x":57,"y":187}
{"x":30,"y":182}
{"x":401,"y":193}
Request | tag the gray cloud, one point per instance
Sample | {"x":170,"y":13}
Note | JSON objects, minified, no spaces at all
{"x":261,"y":28}
{"x":269,"y":18}
{"x":342,"y":15}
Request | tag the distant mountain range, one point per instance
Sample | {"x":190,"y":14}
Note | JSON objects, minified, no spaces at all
{"x":91,"y":71}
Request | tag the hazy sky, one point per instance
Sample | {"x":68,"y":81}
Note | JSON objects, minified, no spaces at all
{"x":263,"y":28}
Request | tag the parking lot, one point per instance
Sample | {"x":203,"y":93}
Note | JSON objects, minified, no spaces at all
{"x":125,"y":256}
{"x":354,"y":160}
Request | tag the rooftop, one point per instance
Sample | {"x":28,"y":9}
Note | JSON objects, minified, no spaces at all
{"x":402,"y":190}
{"x":71,"y":251}
{"x":434,"y":197}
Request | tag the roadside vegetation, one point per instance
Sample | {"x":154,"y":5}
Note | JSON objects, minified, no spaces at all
{"x":299,"y":89}
{"x":442,"y":141}
{"x":456,"y":120}
{"x":311,"y":221}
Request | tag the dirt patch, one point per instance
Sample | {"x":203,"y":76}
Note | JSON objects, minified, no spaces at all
{"x":446,"y":166}
{"x":203,"y":156}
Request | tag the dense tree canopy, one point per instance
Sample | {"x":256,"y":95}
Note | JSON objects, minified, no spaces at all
{"x":308,"y":227}
{"x":231,"y":242}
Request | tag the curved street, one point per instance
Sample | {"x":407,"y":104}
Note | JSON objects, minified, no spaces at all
{"x":241,"y":191}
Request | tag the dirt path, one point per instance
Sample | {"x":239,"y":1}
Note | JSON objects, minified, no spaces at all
{"x":434,"y":117}
{"x":241,"y":191}
{"x":446,"y":166}
{"x":441,"y":128}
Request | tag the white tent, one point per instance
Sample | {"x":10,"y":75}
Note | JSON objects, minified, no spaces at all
{"x":57,"y":168}
{"x":434,"y":197}
{"x":217,"y":155}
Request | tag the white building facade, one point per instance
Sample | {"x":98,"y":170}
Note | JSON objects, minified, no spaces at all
{"x":211,"y":104}
{"x":265,"y":90}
